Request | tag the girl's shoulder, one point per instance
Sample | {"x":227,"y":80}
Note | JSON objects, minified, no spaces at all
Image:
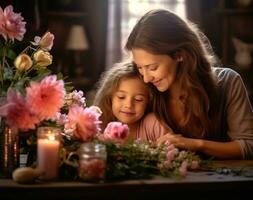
{"x":150,"y":117}
{"x":151,"y":128}
{"x":151,"y":121}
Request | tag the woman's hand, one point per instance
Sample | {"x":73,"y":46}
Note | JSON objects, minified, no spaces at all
{"x":179,"y":141}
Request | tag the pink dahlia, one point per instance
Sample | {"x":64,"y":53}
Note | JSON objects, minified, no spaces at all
{"x":17,"y":113}
{"x":45,"y":98}
{"x":12,"y":25}
{"x":84,"y":121}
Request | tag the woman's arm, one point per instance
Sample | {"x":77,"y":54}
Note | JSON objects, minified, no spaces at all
{"x":239,"y":113}
{"x":220,"y":150}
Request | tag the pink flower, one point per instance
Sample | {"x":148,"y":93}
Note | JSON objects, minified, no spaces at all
{"x":1,"y":19}
{"x":12,"y":25}
{"x":45,"y":98}
{"x":116,"y":131}
{"x":46,"y":42}
{"x":170,"y":147}
{"x":167,"y":164}
{"x":171,"y":154}
{"x":194,"y":164}
{"x":84,"y":121}
{"x":183,"y":168}
{"x":17,"y":112}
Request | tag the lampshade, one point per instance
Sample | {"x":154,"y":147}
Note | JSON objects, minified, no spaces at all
{"x":77,"y":39}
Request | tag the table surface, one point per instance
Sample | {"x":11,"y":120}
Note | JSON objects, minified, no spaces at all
{"x":207,"y":183}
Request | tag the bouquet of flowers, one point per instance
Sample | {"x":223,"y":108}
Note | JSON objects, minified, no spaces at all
{"x":31,"y":64}
{"x":32,"y":94}
{"x":29,"y":95}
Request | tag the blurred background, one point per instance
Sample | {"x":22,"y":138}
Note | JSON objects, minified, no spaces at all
{"x":90,"y":34}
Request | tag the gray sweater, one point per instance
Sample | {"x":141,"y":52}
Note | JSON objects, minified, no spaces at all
{"x":235,"y":111}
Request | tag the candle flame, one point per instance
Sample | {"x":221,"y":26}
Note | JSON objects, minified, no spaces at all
{"x":51,"y":137}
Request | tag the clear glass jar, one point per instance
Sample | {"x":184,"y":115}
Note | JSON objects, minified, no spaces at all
{"x":92,"y":162}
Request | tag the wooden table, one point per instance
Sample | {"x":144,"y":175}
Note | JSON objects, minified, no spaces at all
{"x":206,"y":184}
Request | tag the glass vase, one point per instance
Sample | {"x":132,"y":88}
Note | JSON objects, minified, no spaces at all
{"x":9,"y":149}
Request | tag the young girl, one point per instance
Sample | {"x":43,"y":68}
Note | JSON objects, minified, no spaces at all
{"x":123,"y":96}
{"x":207,"y":107}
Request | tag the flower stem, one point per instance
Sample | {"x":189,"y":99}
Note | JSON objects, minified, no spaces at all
{"x":2,"y":67}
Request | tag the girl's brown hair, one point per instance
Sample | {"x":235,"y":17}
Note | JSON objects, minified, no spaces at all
{"x":108,"y":85}
{"x":163,"y":32}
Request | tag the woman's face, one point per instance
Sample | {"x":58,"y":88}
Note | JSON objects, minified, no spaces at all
{"x":130,"y":100}
{"x":160,"y":70}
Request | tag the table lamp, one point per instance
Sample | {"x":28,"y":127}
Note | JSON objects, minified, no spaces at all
{"x":77,"y":42}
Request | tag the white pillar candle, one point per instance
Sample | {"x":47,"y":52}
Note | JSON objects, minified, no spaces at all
{"x":48,"y":152}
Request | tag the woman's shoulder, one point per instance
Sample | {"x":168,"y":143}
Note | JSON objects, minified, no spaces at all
{"x":231,"y":84}
{"x":225,"y":74}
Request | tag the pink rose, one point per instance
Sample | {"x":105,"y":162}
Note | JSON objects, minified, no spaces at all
{"x":47,"y":41}
{"x":116,"y":131}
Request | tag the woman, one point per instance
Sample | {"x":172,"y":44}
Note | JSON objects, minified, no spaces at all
{"x":207,"y":107}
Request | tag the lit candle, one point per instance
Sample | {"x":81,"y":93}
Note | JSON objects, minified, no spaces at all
{"x":48,"y":152}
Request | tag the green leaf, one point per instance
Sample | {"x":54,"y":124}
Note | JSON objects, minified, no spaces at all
{"x":7,"y":73}
{"x":21,"y":84}
{"x":41,"y":73}
{"x":11,"y":54}
{"x":49,"y":123}
{"x":60,"y":76}
{"x":1,"y":51}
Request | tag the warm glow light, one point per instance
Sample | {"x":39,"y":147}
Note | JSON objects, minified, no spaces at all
{"x":137,"y":8}
{"x":77,"y":39}
{"x":48,"y":151}
{"x":51,"y":137}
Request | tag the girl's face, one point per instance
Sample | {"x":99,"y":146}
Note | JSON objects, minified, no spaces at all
{"x":160,"y":70}
{"x":130,"y":100}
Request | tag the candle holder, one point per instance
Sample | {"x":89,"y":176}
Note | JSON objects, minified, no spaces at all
{"x":48,"y":141}
{"x":9,"y":149}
